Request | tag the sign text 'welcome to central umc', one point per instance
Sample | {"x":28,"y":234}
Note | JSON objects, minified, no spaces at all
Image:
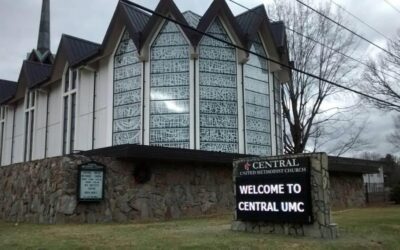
{"x":274,"y":191}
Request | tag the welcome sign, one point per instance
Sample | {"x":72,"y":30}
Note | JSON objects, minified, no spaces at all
{"x":274,"y":191}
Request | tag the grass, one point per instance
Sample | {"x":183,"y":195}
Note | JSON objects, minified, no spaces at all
{"x":368,"y":228}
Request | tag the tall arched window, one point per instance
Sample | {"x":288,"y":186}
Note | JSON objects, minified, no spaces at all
{"x":127,"y":117}
{"x":169,"y":89}
{"x":218,"y":92}
{"x":257,"y":102}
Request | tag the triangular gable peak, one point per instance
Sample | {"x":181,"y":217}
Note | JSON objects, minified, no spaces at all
{"x":129,"y":17}
{"x":8,"y":90}
{"x":219,"y":9}
{"x":30,"y":77}
{"x":72,"y":51}
{"x":255,"y":22}
{"x":164,"y":8}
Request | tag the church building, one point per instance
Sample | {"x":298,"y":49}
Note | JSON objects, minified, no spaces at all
{"x":146,"y":124}
{"x":151,"y":82}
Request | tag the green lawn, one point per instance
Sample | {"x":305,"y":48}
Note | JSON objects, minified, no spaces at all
{"x":369,"y":228}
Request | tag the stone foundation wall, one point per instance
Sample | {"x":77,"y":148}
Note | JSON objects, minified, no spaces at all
{"x":347,"y":191}
{"x":45,"y":191}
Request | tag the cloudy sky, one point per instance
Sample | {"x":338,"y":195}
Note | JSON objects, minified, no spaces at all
{"x":19,"y":25}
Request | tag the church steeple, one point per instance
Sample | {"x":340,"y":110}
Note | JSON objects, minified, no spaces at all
{"x":43,"y":44}
{"x":42,"y":53}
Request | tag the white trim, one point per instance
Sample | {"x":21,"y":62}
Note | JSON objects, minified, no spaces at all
{"x":29,"y":124}
{"x":146,"y":101}
{"x":191,"y":103}
{"x":272,"y":112}
{"x":240,"y":106}
{"x":197,"y":99}
{"x":70,"y":91}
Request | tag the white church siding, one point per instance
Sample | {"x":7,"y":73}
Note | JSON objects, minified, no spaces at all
{"x":103,"y":104}
{"x":54,"y":136}
{"x":83,"y":132}
{"x":39,"y":126}
{"x":18,"y":151}
{"x":6,"y":157}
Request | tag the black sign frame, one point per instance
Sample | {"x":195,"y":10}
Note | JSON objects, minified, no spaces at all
{"x":283,"y":176}
{"x":99,"y":168}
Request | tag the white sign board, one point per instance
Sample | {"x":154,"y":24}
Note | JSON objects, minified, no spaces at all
{"x":91,"y":182}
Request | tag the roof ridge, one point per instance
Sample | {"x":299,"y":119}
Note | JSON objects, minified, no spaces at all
{"x":79,"y":39}
{"x":129,"y":4}
{"x":191,"y":12}
{"x":250,"y":10}
{"x":38,"y":63}
{"x":7,"y":81}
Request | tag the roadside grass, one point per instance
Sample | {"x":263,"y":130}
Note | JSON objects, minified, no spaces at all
{"x":367,"y":228}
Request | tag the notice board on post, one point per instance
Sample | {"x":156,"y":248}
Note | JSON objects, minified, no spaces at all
{"x":277,"y":190}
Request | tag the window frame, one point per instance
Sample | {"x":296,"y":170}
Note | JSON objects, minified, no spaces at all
{"x":70,"y":85}
{"x":29,"y":127}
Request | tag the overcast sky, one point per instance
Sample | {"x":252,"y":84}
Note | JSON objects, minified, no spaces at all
{"x":19,"y":25}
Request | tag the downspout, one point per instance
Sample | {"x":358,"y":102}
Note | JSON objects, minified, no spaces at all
{"x":94,"y":107}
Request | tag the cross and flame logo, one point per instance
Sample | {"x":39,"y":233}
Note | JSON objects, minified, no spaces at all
{"x":247,"y":166}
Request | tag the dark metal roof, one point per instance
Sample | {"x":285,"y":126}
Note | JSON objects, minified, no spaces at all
{"x":142,"y":152}
{"x":77,"y":49}
{"x":154,"y":153}
{"x":353,"y":165}
{"x":192,"y":18}
{"x":218,"y":7}
{"x":167,"y":7}
{"x":278,"y":30}
{"x":251,"y":20}
{"x":134,"y":19}
{"x":35,"y":73}
{"x":7,"y":90}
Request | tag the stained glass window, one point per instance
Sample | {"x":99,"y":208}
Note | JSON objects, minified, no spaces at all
{"x":127,"y":120}
{"x":169,"y":89}
{"x":257,"y":103}
{"x":218,"y":92}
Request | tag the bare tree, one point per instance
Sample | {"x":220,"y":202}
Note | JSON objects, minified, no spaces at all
{"x":394,"y":138}
{"x":382,"y":77}
{"x":304,"y":96}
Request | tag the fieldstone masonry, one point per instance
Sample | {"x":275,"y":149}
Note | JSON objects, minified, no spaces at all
{"x":45,"y":191}
{"x":320,"y":198}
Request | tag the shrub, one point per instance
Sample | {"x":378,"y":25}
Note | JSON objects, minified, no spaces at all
{"x":395,"y":194}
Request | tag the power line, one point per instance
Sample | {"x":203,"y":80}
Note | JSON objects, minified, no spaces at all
{"x":391,"y":5}
{"x":349,"y":30}
{"x":256,"y":54}
{"x":324,"y":45}
{"x":360,"y":20}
